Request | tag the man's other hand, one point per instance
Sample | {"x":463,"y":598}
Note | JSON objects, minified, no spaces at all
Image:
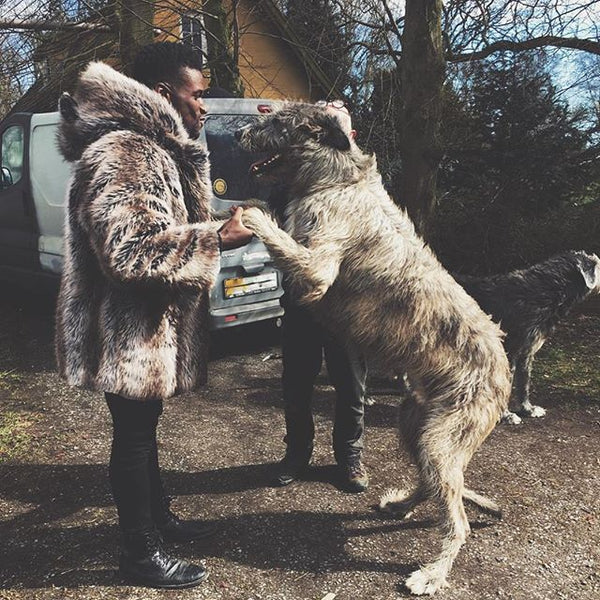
{"x":233,"y":233}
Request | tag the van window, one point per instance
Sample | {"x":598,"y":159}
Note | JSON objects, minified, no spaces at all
{"x":12,"y":155}
{"x":229,"y":163}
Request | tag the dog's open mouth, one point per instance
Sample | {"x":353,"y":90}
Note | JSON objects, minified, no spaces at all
{"x":260,"y":167}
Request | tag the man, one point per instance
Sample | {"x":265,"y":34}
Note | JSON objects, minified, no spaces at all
{"x":304,"y":343}
{"x":141,"y":255}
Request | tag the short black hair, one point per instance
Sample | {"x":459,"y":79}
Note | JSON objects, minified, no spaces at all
{"x":163,"y":61}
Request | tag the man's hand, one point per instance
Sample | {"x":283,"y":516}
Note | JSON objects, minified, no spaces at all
{"x":233,"y":234}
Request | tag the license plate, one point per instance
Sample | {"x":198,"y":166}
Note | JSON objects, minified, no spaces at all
{"x":245,"y":286}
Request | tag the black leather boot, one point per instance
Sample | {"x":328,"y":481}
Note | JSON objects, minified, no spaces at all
{"x":173,"y":529}
{"x":144,"y":562}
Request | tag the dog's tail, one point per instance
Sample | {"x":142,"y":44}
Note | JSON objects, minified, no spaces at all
{"x":485,"y":504}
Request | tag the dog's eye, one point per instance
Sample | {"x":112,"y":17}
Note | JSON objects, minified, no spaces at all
{"x":279,"y":126}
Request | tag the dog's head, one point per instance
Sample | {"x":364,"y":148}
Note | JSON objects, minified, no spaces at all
{"x":293,"y":134}
{"x":589,"y":266}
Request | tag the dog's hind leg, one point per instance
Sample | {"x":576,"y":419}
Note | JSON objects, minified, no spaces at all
{"x":446,"y":445}
{"x":448,"y":478}
{"x":401,"y":503}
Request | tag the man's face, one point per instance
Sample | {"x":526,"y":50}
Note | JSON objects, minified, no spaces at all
{"x":186,"y":98}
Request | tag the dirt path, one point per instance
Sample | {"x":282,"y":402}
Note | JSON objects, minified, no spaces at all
{"x":57,"y":523}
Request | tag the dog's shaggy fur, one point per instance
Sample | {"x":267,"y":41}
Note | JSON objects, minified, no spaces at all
{"x":528,"y":304}
{"x":355,"y":259}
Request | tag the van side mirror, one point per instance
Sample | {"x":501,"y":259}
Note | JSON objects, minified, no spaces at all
{"x":7,"y":179}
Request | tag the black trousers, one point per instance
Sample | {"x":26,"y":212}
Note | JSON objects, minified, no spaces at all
{"x":133,"y":469}
{"x":304,"y":342}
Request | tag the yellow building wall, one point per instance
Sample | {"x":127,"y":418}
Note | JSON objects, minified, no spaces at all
{"x":268,"y":67}
{"x":167,"y":18}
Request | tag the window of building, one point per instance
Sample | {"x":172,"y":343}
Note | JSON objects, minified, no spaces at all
{"x":192,"y":31}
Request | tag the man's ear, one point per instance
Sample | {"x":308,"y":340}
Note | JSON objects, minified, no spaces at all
{"x":164,"y":90}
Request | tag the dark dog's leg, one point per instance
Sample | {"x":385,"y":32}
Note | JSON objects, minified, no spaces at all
{"x":522,"y":376}
{"x":512,"y":418}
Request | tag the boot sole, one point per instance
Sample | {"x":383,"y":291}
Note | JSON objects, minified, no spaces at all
{"x":136,"y":580}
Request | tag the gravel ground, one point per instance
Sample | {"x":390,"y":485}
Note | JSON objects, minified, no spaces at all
{"x":310,"y":541}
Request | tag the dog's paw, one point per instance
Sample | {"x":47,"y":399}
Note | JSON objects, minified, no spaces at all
{"x":535,"y":411}
{"x":394,"y":502}
{"x":257,"y":220}
{"x":511,"y":418}
{"x":425,"y":581}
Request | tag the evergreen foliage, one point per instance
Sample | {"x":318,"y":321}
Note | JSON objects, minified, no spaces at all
{"x":519,"y":178}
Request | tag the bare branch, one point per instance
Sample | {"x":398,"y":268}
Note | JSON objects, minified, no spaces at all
{"x":52,"y":26}
{"x":590,"y":46}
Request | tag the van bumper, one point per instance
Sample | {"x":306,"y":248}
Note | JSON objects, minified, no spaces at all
{"x":220,"y":318}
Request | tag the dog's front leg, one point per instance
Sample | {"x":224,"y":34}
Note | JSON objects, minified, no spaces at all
{"x":522,"y":377}
{"x":311,"y":271}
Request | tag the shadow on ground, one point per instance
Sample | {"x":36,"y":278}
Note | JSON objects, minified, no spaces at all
{"x":67,"y":554}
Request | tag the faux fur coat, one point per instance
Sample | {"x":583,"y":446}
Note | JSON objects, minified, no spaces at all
{"x":140,"y":250}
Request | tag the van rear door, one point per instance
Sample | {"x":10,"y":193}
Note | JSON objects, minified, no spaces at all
{"x":49,"y":174}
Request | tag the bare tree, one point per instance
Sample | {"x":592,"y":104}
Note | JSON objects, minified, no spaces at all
{"x":48,"y":41}
{"x":415,"y":41}
{"x":399,"y":52}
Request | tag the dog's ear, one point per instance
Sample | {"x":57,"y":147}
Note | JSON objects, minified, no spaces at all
{"x":327,"y":132}
{"x":335,"y":137}
{"x":67,"y":107}
{"x":589,"y":266}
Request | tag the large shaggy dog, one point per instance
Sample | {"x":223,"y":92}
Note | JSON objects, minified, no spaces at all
{"x":528,"y":304}
{"x":354,"y":258}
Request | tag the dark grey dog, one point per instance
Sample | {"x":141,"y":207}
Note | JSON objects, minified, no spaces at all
{"x":528,"y":304}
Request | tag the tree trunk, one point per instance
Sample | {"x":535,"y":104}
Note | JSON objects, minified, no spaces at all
{"x":223,"y":46}
{"x":422,"y":71}
{"x":136,"y":29}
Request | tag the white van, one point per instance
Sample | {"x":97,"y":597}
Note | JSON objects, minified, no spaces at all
{"x":33,"y":186}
